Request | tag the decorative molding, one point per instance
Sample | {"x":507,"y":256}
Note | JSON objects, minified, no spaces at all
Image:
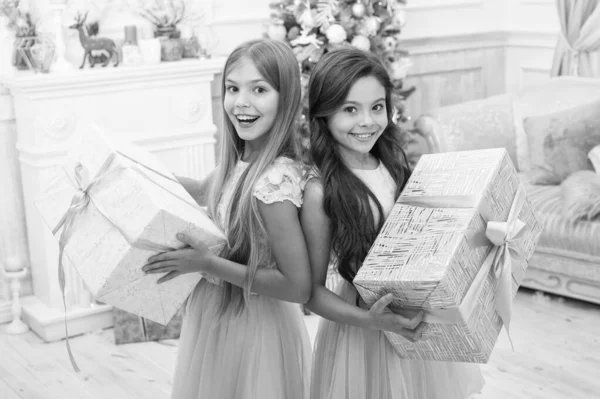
{"x":427,"y":5}
{"x":480,"y":40}
{"x":561,"y":284}
{"x":538,"y":2}
{"x":458,"y":42}
{"x":584,"y":289}
{"x":525,"y":80}
{"x":537,"y":39}
{"x":449,"y":70}
{"x":108,"y":80}
{"x":51,"y":156}
{"x":189,"y":110}
{"x":534,"y":69}
{"x":56,"y":126}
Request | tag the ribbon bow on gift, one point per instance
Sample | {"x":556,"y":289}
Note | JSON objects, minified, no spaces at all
{"x":82,"y":199}
{"x":79,"y":203}
{"x":502,"y":235}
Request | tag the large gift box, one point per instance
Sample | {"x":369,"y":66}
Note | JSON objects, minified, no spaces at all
{"x":456,"y":244}
{"x":112,"y":207}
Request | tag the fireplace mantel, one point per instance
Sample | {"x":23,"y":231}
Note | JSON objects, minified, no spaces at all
{"x":165,"y":108}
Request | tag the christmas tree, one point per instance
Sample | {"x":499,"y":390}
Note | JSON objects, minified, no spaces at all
{"x":313,"y":27}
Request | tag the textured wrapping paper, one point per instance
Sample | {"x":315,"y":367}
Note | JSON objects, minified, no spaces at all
{"x":452,"y":246}
{"x":121,"y":206}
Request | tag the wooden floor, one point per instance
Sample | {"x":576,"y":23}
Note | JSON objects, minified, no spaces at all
{"x":557,"y":356}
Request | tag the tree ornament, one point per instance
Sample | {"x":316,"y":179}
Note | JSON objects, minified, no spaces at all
{"x":276,"y":32}
{"x":399,"y":68}
{"x":370,"y":26}
{"x":336,"y":34}
{"x":358,"y":9}
{"x":306,"y":20}
{"x":389,"y":43}
{"x":293,"y":33}
{"x":361,"y":43}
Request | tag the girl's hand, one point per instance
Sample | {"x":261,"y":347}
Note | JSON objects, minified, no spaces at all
{"x":180,"y":261}
{"x":384,"y":319}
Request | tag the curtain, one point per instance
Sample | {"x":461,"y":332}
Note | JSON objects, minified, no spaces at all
{"x":578,"y":48}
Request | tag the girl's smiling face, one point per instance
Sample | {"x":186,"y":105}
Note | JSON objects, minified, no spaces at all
{"x":360,"y":120}
{"x":250,"y":102}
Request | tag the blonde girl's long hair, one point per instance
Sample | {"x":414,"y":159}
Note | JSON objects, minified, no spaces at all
{"x":277,"y":64}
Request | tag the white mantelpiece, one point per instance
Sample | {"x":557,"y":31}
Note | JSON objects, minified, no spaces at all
{"x":165,"y":108}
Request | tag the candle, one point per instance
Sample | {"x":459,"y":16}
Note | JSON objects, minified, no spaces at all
{"x":13,"y":264}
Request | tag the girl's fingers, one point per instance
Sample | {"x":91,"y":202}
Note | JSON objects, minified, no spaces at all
{"x":414,"y":335}
{"x":168,"y":276}
{"x":160,"y":267}
{"x":413,"y":322}
{"x":382,"y":303}
{"x":164,"y":256}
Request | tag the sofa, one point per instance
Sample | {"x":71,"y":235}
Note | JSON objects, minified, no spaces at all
{"x":567,"y":259}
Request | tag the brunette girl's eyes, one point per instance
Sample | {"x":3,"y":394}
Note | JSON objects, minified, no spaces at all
{"x":379,"y":107}
{"x":260,"y":90}
{"x":350,"y":109}
{"x":231,"y":89}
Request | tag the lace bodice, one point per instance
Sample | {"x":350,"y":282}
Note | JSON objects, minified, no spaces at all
{"x":282,"y":181}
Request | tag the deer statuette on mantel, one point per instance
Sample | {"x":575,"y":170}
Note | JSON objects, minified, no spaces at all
{"x":90,"y":44}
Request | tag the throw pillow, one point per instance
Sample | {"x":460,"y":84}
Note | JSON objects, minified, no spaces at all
{"x":594,"y":156}
{"x":559,"y":143}
{"x":581,"y":196}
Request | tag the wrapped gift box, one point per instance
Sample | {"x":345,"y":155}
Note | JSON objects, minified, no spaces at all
{"x":452,"y":247}
{"x":112,"y":207}
{"x":129,"y":328}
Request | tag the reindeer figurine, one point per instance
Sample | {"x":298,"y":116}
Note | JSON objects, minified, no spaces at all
{"x":90,"y":44}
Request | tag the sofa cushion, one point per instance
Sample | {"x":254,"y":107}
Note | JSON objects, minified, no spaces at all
{"x":559,"y":232}
{"x":559,"y":142}
{"x":580,"y":194}
{"x":559,"y":93}
{"x":476,"y":125}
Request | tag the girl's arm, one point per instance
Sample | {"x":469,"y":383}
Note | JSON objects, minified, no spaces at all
{"x":198,"y":189}
{"x":290,"y":281}
{"x":317,"y":232}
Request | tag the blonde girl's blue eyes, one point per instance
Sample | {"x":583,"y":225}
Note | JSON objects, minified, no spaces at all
{"x":231,"y":89}
{"x":260,"y":90}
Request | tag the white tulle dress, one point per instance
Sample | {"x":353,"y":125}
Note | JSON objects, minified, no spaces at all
{"x":265,"y":352}
{"x":354,"y":363}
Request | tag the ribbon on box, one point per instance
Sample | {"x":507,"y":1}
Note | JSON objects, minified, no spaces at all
{"x":81,"y":201}
{"x":503,"y":235}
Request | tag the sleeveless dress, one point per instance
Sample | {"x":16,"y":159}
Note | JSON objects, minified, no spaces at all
{"x":263,"y":353}
{"x":355,"y":363}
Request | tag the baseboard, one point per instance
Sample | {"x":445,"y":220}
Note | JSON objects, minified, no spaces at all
{"x":49,"y":323}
